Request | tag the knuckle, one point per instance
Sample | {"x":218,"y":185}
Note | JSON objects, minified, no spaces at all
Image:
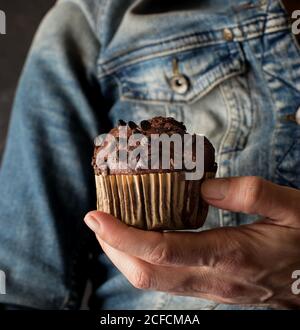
{"x":161,"y":254}
{"x":253,"y":192}
{"x":142,"y":279}
{"x":237,"y":259}
{"x":116,"y":242}
{"x":234,"y":261}
{"x":230,"y":291}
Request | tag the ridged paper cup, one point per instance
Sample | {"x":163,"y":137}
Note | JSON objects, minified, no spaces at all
{"x":155,"y":201}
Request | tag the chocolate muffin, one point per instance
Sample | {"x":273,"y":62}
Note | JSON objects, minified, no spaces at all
{"x":146,"y":175}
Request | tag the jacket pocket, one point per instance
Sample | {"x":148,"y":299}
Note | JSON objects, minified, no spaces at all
{"x":281,"y":67}
{"x":182,"y":76}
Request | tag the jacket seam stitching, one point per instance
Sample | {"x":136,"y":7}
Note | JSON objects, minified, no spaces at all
{"x":225,"y":97}
{"x":163,"y":53}
{"x":109,"y":63}
{"x":184,"y":36}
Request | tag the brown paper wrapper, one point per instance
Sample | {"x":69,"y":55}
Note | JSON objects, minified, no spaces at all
{"x":154,"y":201}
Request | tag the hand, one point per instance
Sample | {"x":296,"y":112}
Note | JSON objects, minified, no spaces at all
{"x":249,"y":264}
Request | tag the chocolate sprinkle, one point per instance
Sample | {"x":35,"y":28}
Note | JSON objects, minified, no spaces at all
{"x":121,"y":122}
{"x":181,"y":124}
{"x":156,"y":125}
{"x":132,"y":124}
{"x":145,"y":125}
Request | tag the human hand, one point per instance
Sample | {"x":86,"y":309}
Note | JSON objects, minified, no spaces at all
{"x":249,"y":264}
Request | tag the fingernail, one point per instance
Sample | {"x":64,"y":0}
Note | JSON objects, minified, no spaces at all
{"x":215,"y":188}
{"x":92,"y":223}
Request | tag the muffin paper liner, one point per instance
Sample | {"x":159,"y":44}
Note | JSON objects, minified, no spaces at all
{"x":154,"y":201}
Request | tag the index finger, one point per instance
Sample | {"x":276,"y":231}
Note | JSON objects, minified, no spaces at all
{"x":205,"y":248}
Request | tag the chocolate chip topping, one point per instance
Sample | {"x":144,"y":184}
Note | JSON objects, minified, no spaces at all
{"x":121,"y":122}
{"x":158,"y":126}
{"x":132,"y":125}
{"x":145,"y":125}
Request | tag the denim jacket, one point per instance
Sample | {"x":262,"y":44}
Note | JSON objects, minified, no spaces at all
{"x":227,"y":69}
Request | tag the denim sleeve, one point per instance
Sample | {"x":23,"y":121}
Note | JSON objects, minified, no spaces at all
{"x":46,"y":180}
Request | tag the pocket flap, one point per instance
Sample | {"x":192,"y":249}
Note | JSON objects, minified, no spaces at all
{"x":201,"y":70}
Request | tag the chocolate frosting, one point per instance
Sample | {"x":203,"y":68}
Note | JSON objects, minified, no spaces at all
{"x":158,"y":126}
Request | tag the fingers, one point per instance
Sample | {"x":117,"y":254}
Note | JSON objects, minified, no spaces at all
{"x":208,"y":248}
{"x":254,"y":195}
{"x":201,"y":282}
{"x":141,"y":274}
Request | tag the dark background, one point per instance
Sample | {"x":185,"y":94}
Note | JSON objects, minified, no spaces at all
{"x":22,"y":20}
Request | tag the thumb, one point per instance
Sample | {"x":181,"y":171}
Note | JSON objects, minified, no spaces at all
{"x":254,"y":195}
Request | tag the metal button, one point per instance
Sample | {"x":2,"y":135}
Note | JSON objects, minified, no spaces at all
{"x":297,"y":116}
{"x":227,"y":34}
{"x":179,"y":84}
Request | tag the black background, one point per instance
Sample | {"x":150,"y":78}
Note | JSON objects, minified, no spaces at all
{"x":208,"y":320}
{"x":22,"y":20}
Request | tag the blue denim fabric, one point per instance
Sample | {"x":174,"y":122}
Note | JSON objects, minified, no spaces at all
{"x":95,"y":61}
